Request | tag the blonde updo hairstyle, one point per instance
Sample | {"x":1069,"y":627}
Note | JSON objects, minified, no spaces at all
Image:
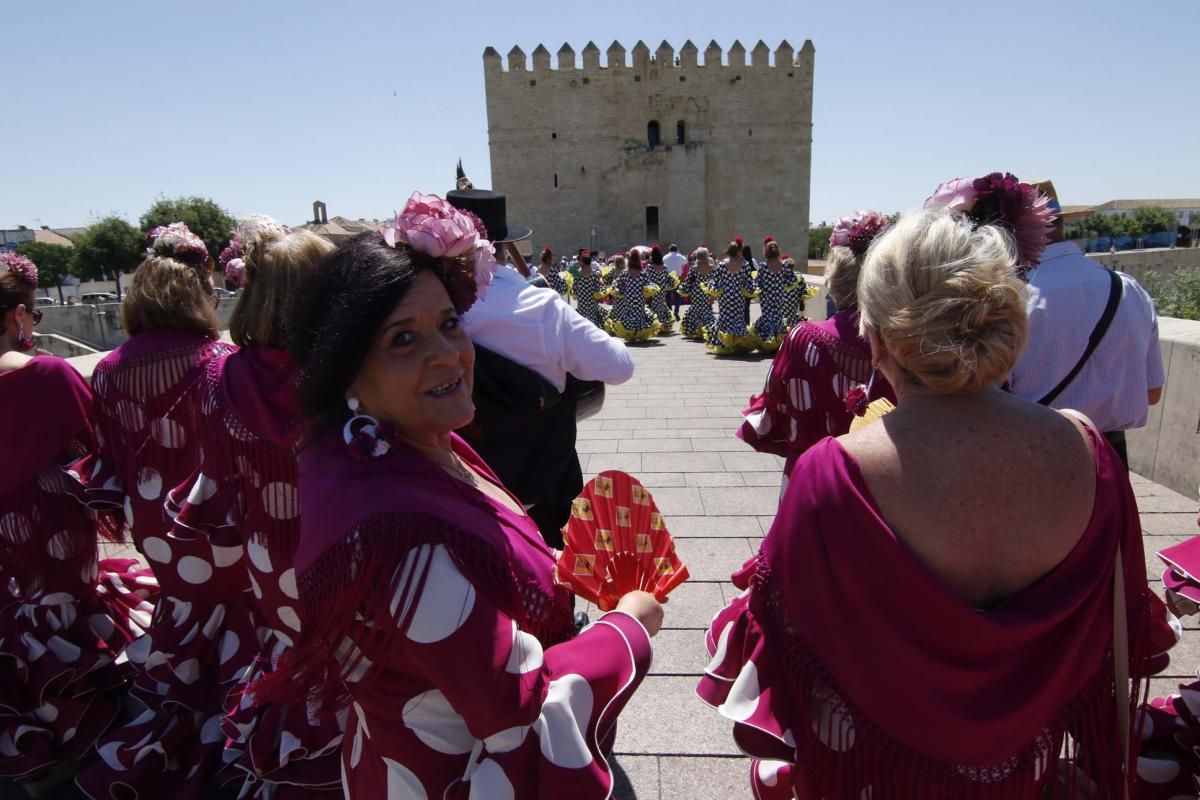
{"x":842,"y":268}
{"x":168,"y":294}
{"x":277,"y":262}
{"x":945,"y":300}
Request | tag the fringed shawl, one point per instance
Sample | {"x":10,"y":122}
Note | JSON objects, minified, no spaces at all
{"x":359,"y":518}
{"x":869,"y":672}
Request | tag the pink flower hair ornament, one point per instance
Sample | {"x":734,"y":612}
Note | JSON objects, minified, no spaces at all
{"x":1000,"y":199}
{"x":241,"y":241}
{"x":178,"y":242}
{"x":19,"y":265}
{"x":857,"y":232}
{"x":431,"y":225}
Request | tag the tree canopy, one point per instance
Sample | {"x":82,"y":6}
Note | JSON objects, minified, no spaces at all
{"x":108,"y":247}
{"x":54,"y":261}
{"x":203,"y":217}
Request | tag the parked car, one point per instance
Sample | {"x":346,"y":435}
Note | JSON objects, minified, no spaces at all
{"x":98,"y":298}
{"x":42,"y":302}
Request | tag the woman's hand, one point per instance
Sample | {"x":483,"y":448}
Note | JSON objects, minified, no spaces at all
{"x":643,"y":607}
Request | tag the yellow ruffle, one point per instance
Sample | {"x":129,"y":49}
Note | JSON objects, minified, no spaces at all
{"x":812,"y":292}
{"x":715,"y":294}
{"x":733,"y":345}
{"x":749,"y":295}
{"x":650,"y":291}
{"x":599,"y":295}
{"x":570,"y":281}
{"x":619,"y":329}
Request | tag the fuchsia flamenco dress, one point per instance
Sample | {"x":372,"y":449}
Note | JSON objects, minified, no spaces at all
{"x":65,"y":616}
{"x":244,"y":495}
{"x":804,"y":397}
{"x":849,"y":670}
{"x":146,"y":408}
{"x":437,"y":622}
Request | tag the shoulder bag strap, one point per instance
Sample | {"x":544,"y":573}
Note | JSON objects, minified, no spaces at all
{"x":1110,"y":311}
{"x":1121,"y":666}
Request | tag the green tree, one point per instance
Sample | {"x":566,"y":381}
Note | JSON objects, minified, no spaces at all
{"x":1103,"y":225}
{"x":1177,"y":295}
{"x":203,"y":217}
{"x":54,"y":262}
{"x":818,"y":241}
{"x":108,"y":247}
{"x":1154,"y":219}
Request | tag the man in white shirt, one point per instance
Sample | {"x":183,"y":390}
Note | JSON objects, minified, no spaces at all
{"x":674,"y":261}
{"x":1123,"y":377}
{"x":532,"y":348}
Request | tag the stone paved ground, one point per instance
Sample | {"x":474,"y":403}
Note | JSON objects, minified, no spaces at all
{"x":672,"y":427}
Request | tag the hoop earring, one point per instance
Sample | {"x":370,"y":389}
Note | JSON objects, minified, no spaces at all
{"x":365,"y":435}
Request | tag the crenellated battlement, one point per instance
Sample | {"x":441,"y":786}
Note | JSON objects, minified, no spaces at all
{"x":664,"y":56}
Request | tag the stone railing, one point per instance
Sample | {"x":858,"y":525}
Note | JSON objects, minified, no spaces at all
{"x":100,"y":326}
{"x":1167,"y":449}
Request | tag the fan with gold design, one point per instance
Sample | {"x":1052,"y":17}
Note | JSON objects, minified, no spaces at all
{"x":618,"y":542}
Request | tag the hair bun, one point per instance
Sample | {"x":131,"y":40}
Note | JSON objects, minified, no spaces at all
{"x":946,"y":301}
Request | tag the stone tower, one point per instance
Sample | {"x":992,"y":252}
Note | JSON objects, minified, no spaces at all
{"x":663,"y":149}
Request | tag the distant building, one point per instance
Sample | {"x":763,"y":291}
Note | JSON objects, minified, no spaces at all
{"x":666,"y":149}
{"x":1187,"y":212}
{"x":12,"y":238}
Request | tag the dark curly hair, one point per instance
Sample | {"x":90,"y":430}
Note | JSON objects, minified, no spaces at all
{"x":339,"y":309}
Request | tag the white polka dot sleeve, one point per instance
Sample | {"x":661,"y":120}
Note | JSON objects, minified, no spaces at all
{"x":523,"y":717}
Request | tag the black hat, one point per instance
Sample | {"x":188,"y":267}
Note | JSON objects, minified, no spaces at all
{"x":490,"y":207}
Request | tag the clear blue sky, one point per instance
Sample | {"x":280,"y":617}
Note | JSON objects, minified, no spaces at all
{"x":265,"y":106}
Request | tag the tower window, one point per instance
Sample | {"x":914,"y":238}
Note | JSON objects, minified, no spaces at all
{"x":554,"y":136}
{"x":533,"y":83}
{"x":653,"y":134}
{"x":556,"y":180}
{"x":651,"y":223}
{"x":680,"y":132}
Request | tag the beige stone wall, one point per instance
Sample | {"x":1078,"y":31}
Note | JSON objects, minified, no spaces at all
{"x":744,"y":169}
{"x":1160,"y":261}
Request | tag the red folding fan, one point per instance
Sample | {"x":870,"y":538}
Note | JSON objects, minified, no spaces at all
{"x":616,"y":542}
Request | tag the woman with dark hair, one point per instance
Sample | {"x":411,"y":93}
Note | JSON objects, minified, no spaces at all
{"x":668,"y":282}
{"x":733,"y":286}
{"x":631,"y":319}
{"x":589,"y":292}
{"x":804,"y":397}
{"x":771,"y":284}
{"x":147,"y":417}
{"x":793,"y":294}
{"x":561,"y":282}
{"x":434,"y":616}
{"x":65,"y":616}
{"x":243,"y":498}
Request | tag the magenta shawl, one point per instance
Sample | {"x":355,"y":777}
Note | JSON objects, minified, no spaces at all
{"x":870,"y":672}
{"x":45,"y":415}
{"x":359,"y":517}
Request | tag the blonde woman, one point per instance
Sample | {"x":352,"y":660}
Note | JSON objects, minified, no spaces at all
{"x":932,"y":612}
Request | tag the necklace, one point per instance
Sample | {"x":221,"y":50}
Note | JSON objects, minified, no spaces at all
{"x":460,"y":470}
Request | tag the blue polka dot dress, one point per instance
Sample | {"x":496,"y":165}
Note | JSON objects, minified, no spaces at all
{"x":729,"y":335}
{"x":770,"y":328}
{"x":699,"y":316}
{"x":631,"y":319}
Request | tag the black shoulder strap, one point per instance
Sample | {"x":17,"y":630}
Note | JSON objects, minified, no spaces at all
{"x":1110,"y":311}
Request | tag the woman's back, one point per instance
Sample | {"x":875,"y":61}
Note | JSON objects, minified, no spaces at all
{"x":988,"y":491}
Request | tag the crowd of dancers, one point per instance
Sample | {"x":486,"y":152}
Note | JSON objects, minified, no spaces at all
{"x":344,"y":599}
{"x":637,"y":295}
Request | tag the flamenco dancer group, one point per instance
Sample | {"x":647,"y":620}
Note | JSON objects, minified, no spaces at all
{"x":343,"y":599}
{"x":636,"y":286}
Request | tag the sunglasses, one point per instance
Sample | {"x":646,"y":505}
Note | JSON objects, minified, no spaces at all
{"x":37,"y":316}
